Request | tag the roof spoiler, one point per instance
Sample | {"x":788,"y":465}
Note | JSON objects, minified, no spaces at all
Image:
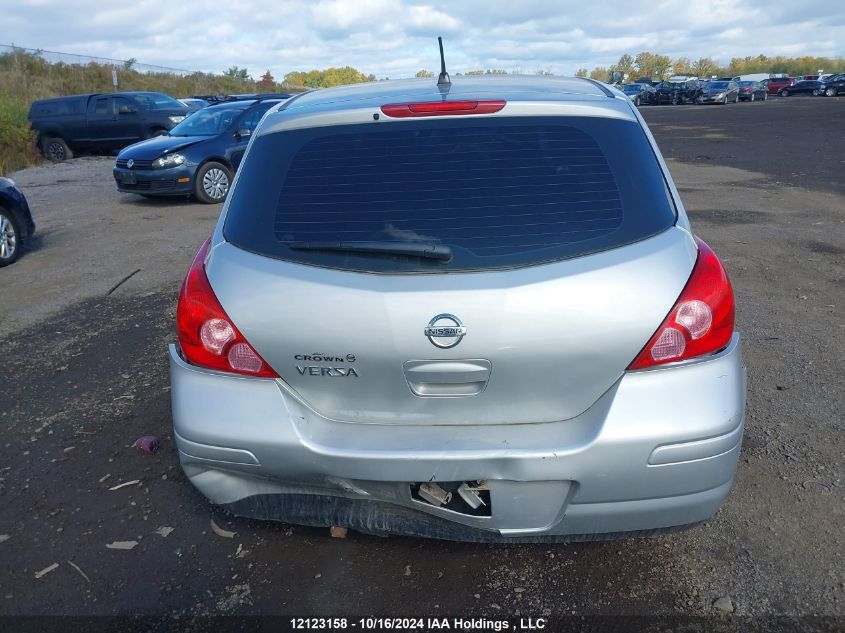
{"x":600,"y":86}
{"x":293,"y":98}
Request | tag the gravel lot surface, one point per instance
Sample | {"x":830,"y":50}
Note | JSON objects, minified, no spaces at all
{"x":84,"y":374}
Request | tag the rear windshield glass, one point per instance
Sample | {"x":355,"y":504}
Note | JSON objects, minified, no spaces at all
{"x":495,"y":192}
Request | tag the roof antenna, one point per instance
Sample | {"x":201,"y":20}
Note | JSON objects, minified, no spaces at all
{"x":443,"y":79}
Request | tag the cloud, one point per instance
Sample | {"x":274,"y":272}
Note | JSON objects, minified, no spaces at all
{"x":396,"y":38}
{"x":335,"y":18}
{"x":424,"y":20}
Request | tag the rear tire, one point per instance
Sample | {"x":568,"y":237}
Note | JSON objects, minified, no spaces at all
{"x":753,"y":97}
{"x":212,"y":182}
{"x":10,"y":238}
{"x":736,"y":98}
{"x":55,"y":149}
{"x":831,"y":92}
{"x":784,"y":93}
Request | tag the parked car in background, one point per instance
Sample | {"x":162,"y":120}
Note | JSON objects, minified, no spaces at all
{"x":194,"y":104}
{"x":210,"y":99}
{"x":640,"y":93}
{"x":16,"y":223}
{"x":215,"y":99}
{"x":720,"y":91}
{"x":776,"y":84}
{"x":678,"y":92}
{"x":258,"y":95}
{"x":198,"y":157}
{"x":833,"y":85}
{"x":803,"y":87}
{"x":752,"y":77}
{"x":562,"y":365}
{"x":683,"y":77}
{"x":101,"y":122}
{"x":752,"y":91}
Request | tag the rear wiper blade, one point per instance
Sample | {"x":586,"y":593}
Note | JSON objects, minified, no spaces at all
{"x":417,"y":249}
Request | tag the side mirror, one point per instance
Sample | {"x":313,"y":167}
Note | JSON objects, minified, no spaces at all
{"x":243,"y":133}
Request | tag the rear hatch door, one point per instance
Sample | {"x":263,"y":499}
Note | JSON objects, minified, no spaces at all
{"x":540,"y":344}
{"x":557,"y":258}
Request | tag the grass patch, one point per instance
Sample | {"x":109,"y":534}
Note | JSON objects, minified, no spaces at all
{"x":17,"y":141}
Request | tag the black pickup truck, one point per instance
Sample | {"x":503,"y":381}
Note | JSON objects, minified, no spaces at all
{"x":101,"y":122}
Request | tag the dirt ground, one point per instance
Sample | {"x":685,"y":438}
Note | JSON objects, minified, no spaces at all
{"x":84,"y":373}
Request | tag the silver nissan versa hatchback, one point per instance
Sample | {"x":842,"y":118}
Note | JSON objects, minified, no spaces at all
{"x":472,"y":312}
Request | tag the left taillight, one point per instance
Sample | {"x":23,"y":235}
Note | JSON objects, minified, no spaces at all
{"x":207,"y":336}
{"x":702,"y":320}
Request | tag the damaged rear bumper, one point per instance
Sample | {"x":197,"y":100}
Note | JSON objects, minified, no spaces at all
{"x":657,"y":451}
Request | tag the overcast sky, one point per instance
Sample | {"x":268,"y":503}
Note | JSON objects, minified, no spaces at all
{"x":395,"y":38}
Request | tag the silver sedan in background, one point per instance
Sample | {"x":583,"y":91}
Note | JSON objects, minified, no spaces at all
{"x":720,"y":91}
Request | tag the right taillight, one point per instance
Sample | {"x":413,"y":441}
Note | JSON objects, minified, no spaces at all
{"x":701,"y":321}
{"x":207,"y":336}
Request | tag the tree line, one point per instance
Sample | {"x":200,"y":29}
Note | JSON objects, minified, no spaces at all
{"x":300,"y":80}
{"x":656,"y":66}
{"x":644,"y":64}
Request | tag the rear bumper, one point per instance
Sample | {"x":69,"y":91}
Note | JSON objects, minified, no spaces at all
{"x":658,"y":450}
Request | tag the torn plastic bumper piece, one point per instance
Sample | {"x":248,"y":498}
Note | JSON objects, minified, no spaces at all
{"x":383,"y":519}
{"x":471,"y":496}
{"x":434,"y":494}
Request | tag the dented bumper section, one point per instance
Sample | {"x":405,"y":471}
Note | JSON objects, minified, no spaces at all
{"x":656,"y":451}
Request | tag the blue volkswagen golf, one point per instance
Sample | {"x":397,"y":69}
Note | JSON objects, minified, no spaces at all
{"x":198,"y":157}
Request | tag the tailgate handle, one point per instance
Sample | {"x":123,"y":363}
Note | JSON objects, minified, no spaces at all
{"x":447,"y":378}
